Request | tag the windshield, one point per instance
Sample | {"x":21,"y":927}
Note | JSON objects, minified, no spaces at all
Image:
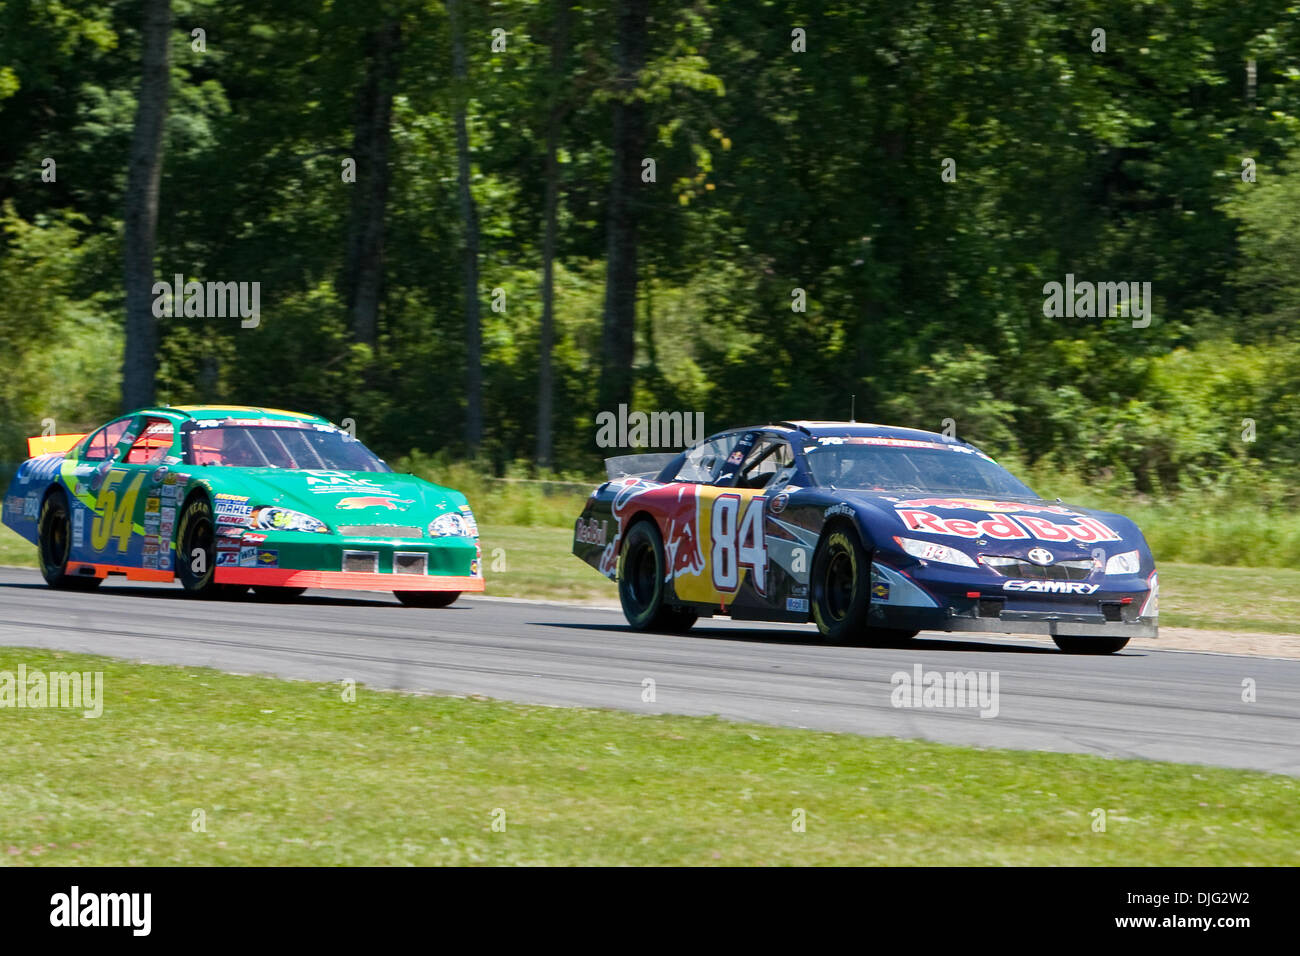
{"x":917,"y":466}
{"x":278,"y":446}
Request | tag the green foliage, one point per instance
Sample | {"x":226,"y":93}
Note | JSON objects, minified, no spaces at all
{"x":776,"y":170}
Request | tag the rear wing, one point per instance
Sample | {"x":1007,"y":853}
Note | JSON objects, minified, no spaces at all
{"x":44,"y":444}
{"x":638,"y":466}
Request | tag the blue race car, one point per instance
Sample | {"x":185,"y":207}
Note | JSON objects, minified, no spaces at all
{"x":873,"y":532}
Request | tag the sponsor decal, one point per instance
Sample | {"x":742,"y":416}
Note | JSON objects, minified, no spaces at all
{"x":248,"y":557}
{"x":333,"y":482}
{"x":268,"y":559}
{"x":165,"y":560}
{"x":152,"y":522}
{"x":14,"y":506}
{"x":1004,"y":527}
{"x":227,"y":559}
{"x":473,"y":568}
{"x":839,"y":509}
{"x":151,"y":505}
{"x":900,"y":443}
{"x":880,"y":590}
{"x":777,"y":504}
{"x":78,"y":526}
{"x":797,"y":605}
{"x":40,"y":468}
{"x":986,"y":504}
{"x":226,"y":543}
{"x":168,"y":492}
{"x":232,"y":510}
{"x":158,"y":474}
{"x":590,"y":531}
{"x":97,"y":476}
{"x":372,"y":501}
{"x":150,"y":560}
{"x":1041,"y":556}
{"x":1051,"y":587}
{"x":470,"y":523}
{"x":32,"y":504}
{"x":251,"y":537}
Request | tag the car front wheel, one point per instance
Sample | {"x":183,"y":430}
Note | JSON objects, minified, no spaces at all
{"x":841,"y":578}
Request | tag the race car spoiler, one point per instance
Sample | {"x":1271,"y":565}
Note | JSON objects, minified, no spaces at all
{"x":44,"y":444}
{"x":637,"y":466}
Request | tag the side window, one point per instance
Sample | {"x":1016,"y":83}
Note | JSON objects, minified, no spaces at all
{"x":154,"y":443}
{"x":702,"y":463}
{"x":770,"y":463}
{"x":102,"y":444}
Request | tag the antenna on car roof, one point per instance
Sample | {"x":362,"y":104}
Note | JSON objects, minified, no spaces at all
{"x":853,"y":409}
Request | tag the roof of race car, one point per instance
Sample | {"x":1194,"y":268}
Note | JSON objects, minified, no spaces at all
{"x":857,"y":430}
{"x":210,"y":412}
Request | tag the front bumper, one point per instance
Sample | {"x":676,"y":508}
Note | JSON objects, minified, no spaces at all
{"x":1066,"y":623}
{"x":349,"y":580}
{"x":305,"y":560}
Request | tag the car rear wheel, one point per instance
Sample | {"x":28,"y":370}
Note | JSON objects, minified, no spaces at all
{"x":840,"y":581}
{"x":54,"y":543}
{"x":427,"y":598}
{"x":1090,"y":645}
{"x":641,"y":583}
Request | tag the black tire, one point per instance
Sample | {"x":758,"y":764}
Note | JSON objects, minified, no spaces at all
{"x":54,"y":545}
{"x":195,"y":531}
{"x":427,"y":598}
{"x":1090,"y":645}
{"x":273,"y":592}
{"x":641,"y":583}
{"x":841,"y":586}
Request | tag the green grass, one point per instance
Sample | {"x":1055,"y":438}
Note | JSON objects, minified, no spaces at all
{"x":289,"y":773}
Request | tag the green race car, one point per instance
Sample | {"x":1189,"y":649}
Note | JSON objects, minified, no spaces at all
{"x":227,"y":497}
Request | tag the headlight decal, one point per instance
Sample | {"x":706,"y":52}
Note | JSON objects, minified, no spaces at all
{"x":451,"y":525}
{"x":285,"y":519}
{"x":1126,"y":563}
{"x":929,"y":551}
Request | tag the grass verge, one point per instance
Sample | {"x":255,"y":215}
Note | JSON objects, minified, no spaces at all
{"x":289,"y":773}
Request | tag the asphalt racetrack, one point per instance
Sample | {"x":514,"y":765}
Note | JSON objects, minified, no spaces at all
{"x":1160,"y":705}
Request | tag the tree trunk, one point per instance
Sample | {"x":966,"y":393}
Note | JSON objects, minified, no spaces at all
{"x":140,"y":362}
{"x":618,"y":340}
{"x":372,"y":134}
{"x":469,"y":216}
{"x":545,"y":382}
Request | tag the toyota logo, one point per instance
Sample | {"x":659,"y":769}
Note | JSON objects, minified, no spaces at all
{"x":1040,"y":556}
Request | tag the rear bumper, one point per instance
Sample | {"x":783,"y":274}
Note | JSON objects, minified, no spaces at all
{"x":348,"y":580}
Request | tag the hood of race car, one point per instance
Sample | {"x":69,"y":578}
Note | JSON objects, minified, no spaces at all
{"x":344,"y":497}
{"x":993,"y":526}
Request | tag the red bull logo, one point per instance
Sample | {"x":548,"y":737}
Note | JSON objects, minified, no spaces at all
{"x":371,"y":501}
